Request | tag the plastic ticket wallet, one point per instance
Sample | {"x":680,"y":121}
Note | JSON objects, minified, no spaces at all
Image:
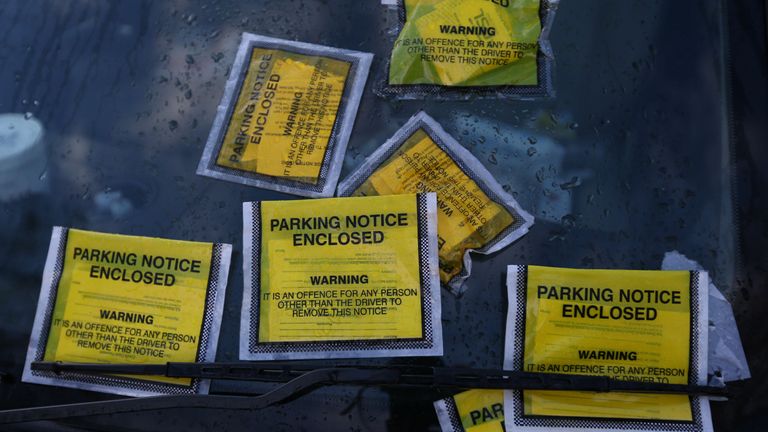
{"x":286,"y":116}
{"x":726,"y":360}
{"x":472,"y":411}
{"x":471,"y":48}
{"x":626,"y":324}
{"x":341,"y":278}
{"x":474,"y":212}
{"x":109,"y":298}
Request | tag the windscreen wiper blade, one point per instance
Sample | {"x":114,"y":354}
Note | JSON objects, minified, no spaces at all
{"x":297,"y":378}
{"x":402,"y":375}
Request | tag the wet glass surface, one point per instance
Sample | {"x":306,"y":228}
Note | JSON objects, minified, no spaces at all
{"x":629,"y":161}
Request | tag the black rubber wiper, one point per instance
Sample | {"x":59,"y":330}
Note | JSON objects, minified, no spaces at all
{"x":297,"y":378}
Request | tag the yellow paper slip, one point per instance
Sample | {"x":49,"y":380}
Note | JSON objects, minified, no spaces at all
{"x":286,"y":116}
{"x":626,"y":324}
{"x":341,"y":277}
{"x":109,"y":298}
{"x":474,"y":212}
{"x":472,"y":411}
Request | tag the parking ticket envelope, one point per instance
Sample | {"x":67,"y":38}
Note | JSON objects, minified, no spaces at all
{"x":634,"y":325}
{"x":340,"y":278}
{"x":286,"y":116}
{"x":475,"y":214}
{"x":472,"y":411}
{"x":109,"y":298}
{"x":463,"y":49}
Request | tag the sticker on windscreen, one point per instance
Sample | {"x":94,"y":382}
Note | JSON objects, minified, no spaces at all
{"x":474,"y":212}
{"x":340,"y":278}
{"x":286,"y":116}
{"x":109,"y":298}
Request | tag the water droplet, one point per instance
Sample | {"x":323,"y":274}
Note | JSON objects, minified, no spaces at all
{"x":532,"y":151}
{"x":28,"y":115}
{"x":556,"y":235}
{"x":217,"y":57}
{"x":532,"y":140}
{"x":573,"y":126}
{"x":173,"y":124}
{"x":568,"y":220}
{"x":189,"y":59}
{"x":43,"y":175}
{"x":573,"y":183}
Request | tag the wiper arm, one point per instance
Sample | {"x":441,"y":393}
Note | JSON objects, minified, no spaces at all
{"x":295,"y":386}
{"x":298,"y":378}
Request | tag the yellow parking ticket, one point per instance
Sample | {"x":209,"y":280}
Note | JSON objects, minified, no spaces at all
{"x":474,"y":212}
{"x":472,"y":411}
{"x":341,"y":277}
{"x":109,"y":298}
{"x":471,"y":48}
{"x":286,"y":116}
{"x":646,"y":326}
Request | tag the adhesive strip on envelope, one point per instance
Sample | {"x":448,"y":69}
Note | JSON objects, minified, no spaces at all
{"x":109,"y":298}
{"x":471,"y":48}
{"x":286,"y":116}
{"x":474,"y":212}
{"x":340,"y":278}
{"x":627,"y":324}
{"x":472,"y":411}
